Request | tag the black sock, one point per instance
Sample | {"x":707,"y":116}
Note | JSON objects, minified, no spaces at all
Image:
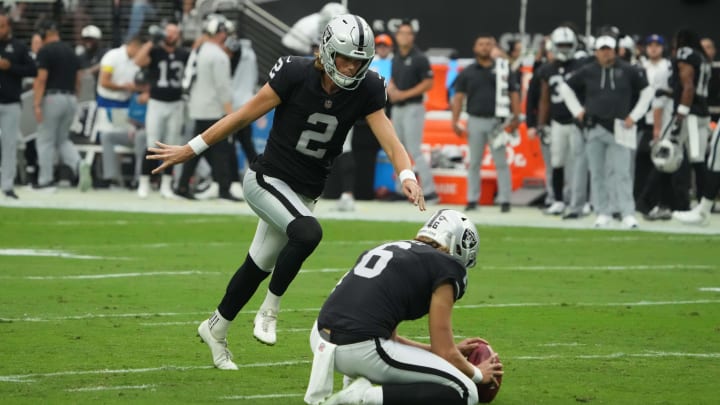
{"x":147,"y":165}
{"x":304,"y":234}
{"x":699,"y":169}
{"x":421,"y":394}
{"x":712,"y":185}
{"x":241,"y":288}
{"x":558,"y":182}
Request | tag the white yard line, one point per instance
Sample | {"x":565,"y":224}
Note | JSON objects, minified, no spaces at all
{"x":106,"y":388}
{"x":54,"y":253}
{"x":470,"y":306}
{"x":27,"y":378}
{"x":30,"y":377}
{"x":268,"y":396}
{"x":709,"y":289}
{"x":121,"y":275}
{"x":340,"y":270}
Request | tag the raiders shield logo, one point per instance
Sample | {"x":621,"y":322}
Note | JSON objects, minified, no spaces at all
{"x":328,"y":104}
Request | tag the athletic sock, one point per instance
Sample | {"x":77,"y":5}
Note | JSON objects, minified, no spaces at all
{"x":218,"y":325}
{"x":241,"y":288}
{"x":271,"y":301}
{"x":558,"y":182}
{"x":373,"y":396}
{"x":705,"y":205}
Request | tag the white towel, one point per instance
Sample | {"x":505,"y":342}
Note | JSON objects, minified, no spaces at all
{"x":502,"y":88}
{"x":320,"y":385}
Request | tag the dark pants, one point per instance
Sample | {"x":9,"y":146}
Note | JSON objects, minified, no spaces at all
{"x":668,"y":190}
{"x":217,"y":155}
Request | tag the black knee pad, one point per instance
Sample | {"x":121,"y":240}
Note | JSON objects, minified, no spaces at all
{"x":305,"y":230}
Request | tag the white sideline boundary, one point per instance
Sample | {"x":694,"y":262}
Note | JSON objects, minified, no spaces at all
{"x":111,"y":388}
{"x":469,"y":306}
{"x":127,"y":201}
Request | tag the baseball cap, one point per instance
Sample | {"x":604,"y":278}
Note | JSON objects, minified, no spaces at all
{"x":655,"y":38}
{"x":383,"y":39}
{"x":605,"y":41}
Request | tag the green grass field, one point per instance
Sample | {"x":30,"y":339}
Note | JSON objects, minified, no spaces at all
{"x":576,"y":316}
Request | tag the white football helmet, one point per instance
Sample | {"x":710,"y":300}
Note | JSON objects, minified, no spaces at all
{"x":348,"y":35}
{"x":91,"y":31}
{"x":564,"y":43}
{"x":453,"y":230}
{"x":666,"y":155}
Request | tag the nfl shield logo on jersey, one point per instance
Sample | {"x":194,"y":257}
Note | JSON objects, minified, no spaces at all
{"x":328,"y":104}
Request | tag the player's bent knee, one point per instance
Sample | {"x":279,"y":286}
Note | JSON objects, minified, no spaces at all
{"x":305,"y":230}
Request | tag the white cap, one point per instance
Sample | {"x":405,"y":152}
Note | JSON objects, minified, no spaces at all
{"x":91,"y":31}
{"x":605,"y":41}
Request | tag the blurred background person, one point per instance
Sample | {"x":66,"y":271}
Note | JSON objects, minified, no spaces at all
{"x":16,"y":63}
{"x":90,"y":50}
{"x":714,"y":86}
{"x":54,"y":105}
{"x":493,"y":107}
{"x":304,"y":36}
{"x":165,"y":61}
{"x":411,"y":78}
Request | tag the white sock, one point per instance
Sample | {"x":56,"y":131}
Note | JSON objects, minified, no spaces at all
{"x":373,"y":396}
{"x":705,"y":205}
{"x":144,"y":179}
{"x":271,"y":301}
{"x":218,"y":325}
{"x":166,"y":182}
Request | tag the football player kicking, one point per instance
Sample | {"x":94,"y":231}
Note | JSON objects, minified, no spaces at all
{"x":316,"y":101}
{"x":356,"y":330}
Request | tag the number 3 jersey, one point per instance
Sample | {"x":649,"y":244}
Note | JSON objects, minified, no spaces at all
{"x":553,"y":73}
{"x":390,"y":284}
{"x":310,"y":125}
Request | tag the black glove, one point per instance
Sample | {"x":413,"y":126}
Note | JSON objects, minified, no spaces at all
{"x":157,"y":34}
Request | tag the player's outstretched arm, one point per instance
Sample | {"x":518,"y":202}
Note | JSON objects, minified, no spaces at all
{"x":386,"y":136}
{"x":265,"y":100}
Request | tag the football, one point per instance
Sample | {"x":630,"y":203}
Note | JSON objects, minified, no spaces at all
{"x":486,"y":392}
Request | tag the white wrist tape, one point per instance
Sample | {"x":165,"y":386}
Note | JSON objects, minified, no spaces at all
{"x":683,"y":109}
{"x":477,"y":377}
{"x":407,"y":174}
{"x":198,"y":145}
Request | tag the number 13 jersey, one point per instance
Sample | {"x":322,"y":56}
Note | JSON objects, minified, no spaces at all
{"x":310,"y":126}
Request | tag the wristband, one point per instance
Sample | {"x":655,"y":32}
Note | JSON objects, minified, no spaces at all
{"x":477,"y":376}
{"x":683,"y":109}
{"x":198,"y":145}
{"x":407,"y":174}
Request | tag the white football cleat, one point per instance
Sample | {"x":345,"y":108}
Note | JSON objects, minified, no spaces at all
{"x":212,"y":192}
{"x":556,"y":208}
{"x":265,"y":326}
{"x":351,"y":395}
{"x":602,"y":221}
{"x":629,"y":222}
{"x":222,"y":358}
{"x":346,"y":203}
{"x":587,"y":209}
{"x":143,"y":187}
{"x":692,"y":217}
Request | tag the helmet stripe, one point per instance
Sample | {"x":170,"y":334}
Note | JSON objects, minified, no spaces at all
{"x":361,"y":32}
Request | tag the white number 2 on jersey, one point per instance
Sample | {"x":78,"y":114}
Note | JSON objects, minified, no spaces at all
{"x":374,"y":261}
{"x":303,"y":146}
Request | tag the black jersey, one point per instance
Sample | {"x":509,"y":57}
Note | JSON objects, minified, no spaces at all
{"x":61,"y":63}
{"x":166,"y":72}
{"x":703,"y":70}
{"x":553,"y":73}
{"x":389,"y":284}
{"x":310,"y":126}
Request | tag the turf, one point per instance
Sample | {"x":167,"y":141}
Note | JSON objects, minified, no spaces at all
{"x":576,"y":316}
